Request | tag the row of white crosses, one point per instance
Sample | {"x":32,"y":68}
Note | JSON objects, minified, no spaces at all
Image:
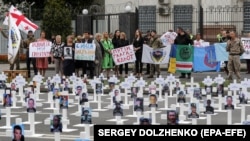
{"x":19,"y":82}
{"x":141,"y":83}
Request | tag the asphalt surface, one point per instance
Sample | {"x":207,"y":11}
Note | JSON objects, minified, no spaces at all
{"x":105,"y":115}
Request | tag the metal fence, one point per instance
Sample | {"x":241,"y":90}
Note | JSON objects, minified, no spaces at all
{"x":207,"y":21}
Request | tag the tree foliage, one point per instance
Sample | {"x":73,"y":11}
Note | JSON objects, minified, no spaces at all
{"x":75,"y":5}
{"x":56,"y":19}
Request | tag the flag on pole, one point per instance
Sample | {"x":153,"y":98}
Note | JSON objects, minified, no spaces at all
{"x":184,"y":58}
{"x":14,"y":40}
{"x":23,"y":23}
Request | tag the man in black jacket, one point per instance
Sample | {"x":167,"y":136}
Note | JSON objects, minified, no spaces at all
{"x":183,"y":39}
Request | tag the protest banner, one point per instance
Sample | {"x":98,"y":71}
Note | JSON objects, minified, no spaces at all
{"x":246,"y":45}
{"x":40,"y":49}
{"x":123,"y":55}
{"x":155,"y":56}
{"x":85,"y":51}
{"x":168,"y":38}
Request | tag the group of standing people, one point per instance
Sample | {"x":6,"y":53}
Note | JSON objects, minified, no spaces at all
{"x":66,"y":66}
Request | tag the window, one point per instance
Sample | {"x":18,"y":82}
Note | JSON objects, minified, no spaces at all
{"x":183,"y":15}
{"x":147,"y":18}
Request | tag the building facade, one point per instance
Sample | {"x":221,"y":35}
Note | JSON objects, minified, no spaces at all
{"x":197,"y":16}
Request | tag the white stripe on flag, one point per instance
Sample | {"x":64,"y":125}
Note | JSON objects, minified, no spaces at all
{"x":184,"y":63}
{"x":184,"y":69}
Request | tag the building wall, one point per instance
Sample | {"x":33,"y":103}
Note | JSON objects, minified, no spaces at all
{"x":164,"y":23}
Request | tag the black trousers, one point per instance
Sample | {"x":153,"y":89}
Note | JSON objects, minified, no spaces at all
{"x":28,"y":61}
{"x":248,"y":65}
{"x":121,"y":68}
{"x":183,"y":74}
{"x":225,"y":68}
{"x":88,"y":66}
{"x":148,"y":69}
{"x":138,"y":63}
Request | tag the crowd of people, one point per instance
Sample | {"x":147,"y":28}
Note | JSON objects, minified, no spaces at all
{"x":62,"y":53}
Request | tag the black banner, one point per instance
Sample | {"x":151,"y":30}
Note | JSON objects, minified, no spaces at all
{"x":194,"y":132}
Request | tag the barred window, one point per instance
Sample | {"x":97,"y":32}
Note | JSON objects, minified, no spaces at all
{"x":147,"y":18}
{"x":183,"y":15}
{"x":246,"y":17}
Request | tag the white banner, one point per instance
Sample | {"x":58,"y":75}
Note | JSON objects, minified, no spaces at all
{"x":123,"y":55}
{"x":40,"y":49}
{"x":14,"y":40}
{"x":155,"y":56}
{"x":85,"y":51}
{"x":246,"y":45}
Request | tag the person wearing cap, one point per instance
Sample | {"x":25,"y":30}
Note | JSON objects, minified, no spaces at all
{"x":118,"y":110}
{"x":26,"y":43}
{"x":83,"y":98}
{"x":155,"y":43}
{"x":165,"y":89}
{"x":181,"y":97}
{"x":209,"y":108}
{"x":138,"y":104}
{"x":145,"y":121}
{"x":183,"y":39}
{"x":193,"y":113}
{"x":86,"y":117}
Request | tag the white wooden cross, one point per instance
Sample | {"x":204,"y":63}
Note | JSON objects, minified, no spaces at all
{"x":192,"y":85}
{"x":72,"y":78}
{"x":170,"y":79}
{"x":160,"y":81}
{"x":126,"y":85}
{"x":114,"y":79}
{"x":20,"y":81}
{"x":208,"y":81}
{"x":245,"y":83}
{"x":102,"y":78}
{"x":3,"y":77}
{"x":234,"y":87}
{"x":152,"y":86}
{"x":141,"y":83}
{"x":56,"y":79}
{"x":219,"y":80}
{"x":38,"y":78}
{"x":131,"y":78}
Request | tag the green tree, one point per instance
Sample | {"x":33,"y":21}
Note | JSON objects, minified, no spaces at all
{"x":56,"y":19}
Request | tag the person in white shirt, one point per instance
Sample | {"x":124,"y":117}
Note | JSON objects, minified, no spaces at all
{"x":198,"y":41}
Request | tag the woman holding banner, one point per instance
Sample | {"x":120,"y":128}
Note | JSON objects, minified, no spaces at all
{"x":121,"y":43}
{"x":107,"y":58}
{"x":42,"y":63}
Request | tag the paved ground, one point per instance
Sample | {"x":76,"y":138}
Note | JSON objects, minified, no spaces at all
{"x":42,"y":114}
